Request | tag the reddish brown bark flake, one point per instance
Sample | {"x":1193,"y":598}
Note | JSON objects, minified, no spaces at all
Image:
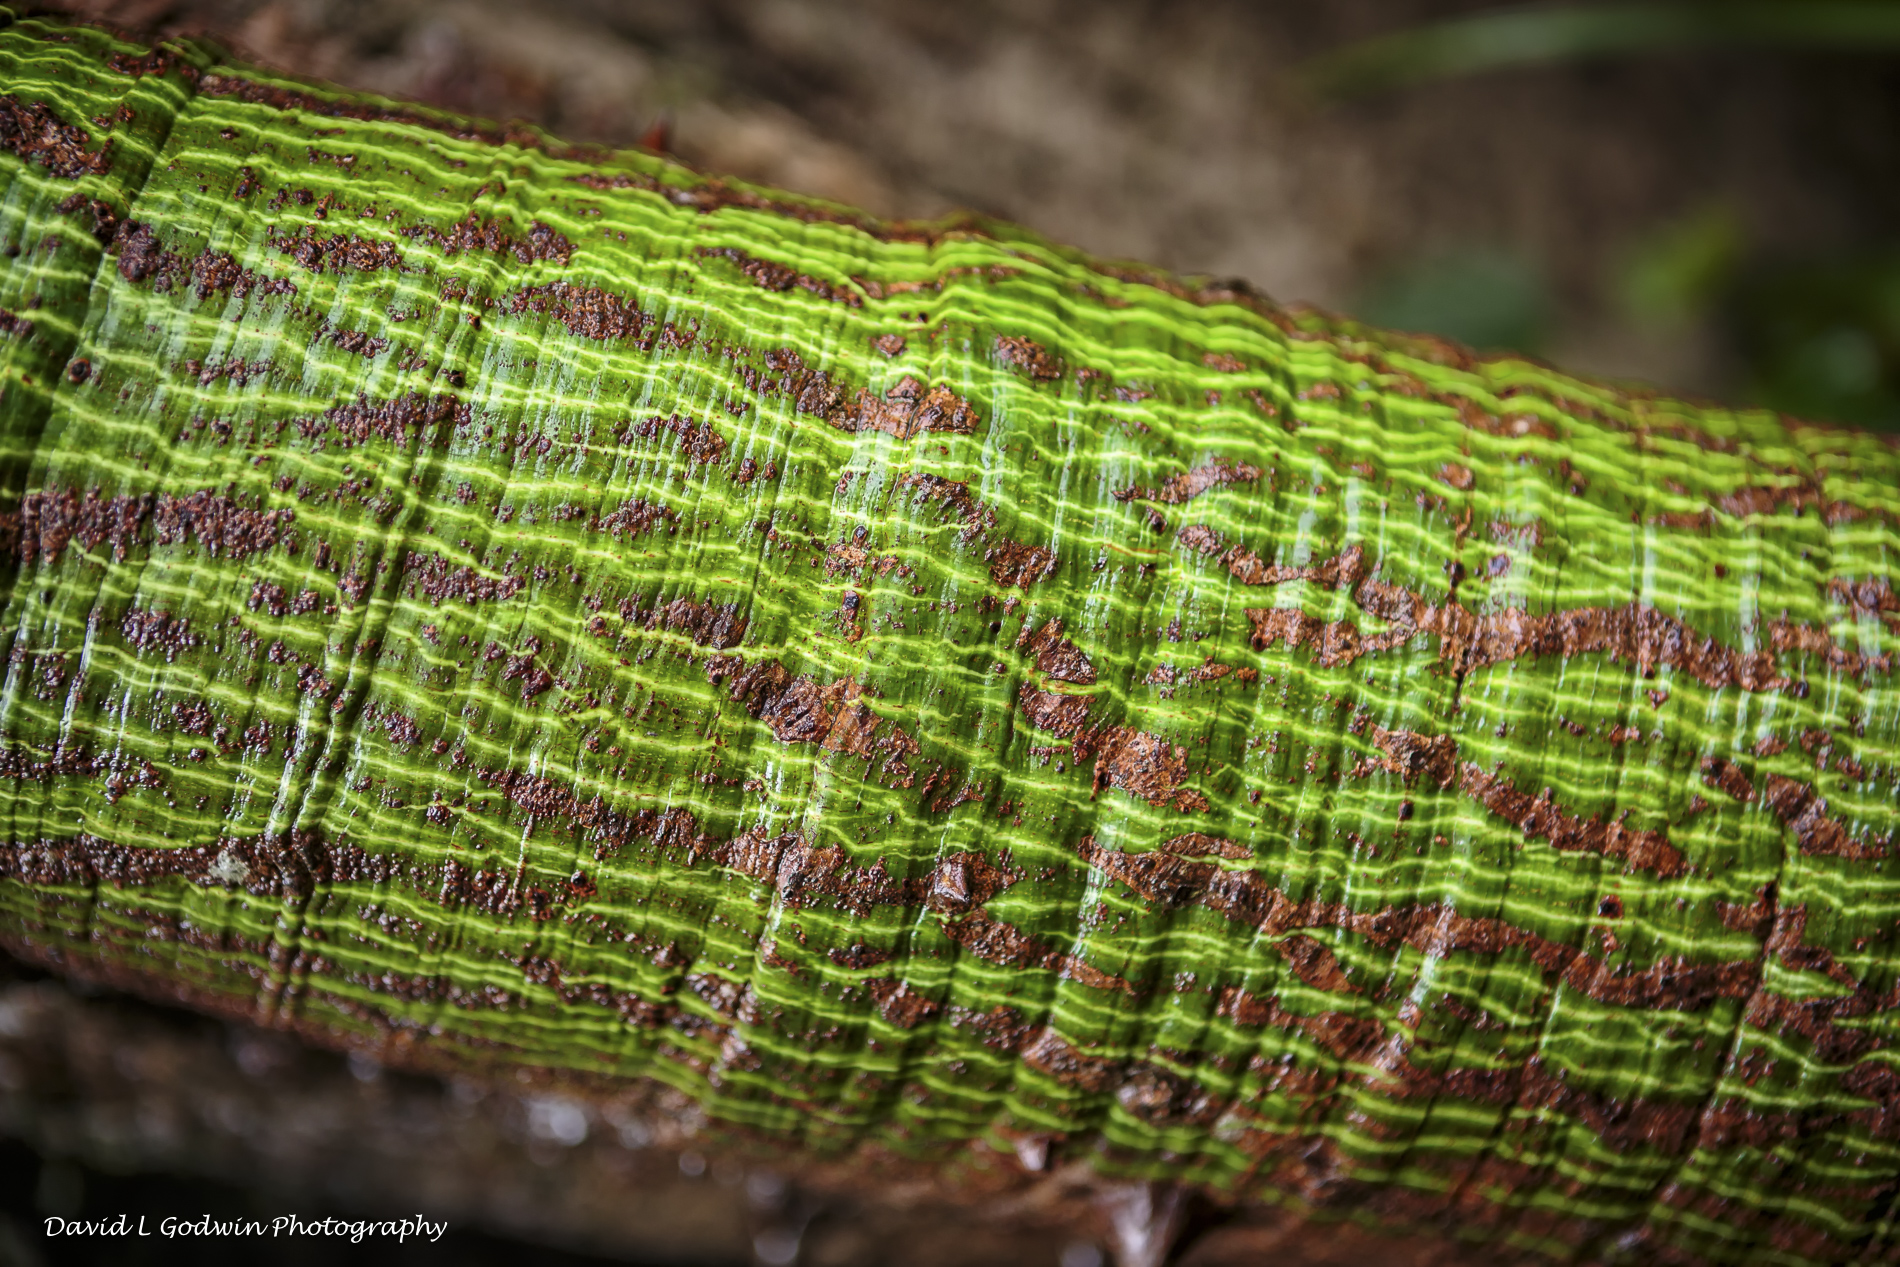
{"x":1538,"y":817}
{"x":1192,"y":482}
{"x":778,"y":277}
{"x":1030,"y":357}
{"x":1804,"y":813}
{"x":1141,"y":764}
{"x":904,"y":411}
{"x":587,"y":311}
{"x":1728,"y":778}
{"x":441,"y":580}
{"x":1017,"y":565}
{"x":336,"y":254}
{"x":1055,"y":655}
{"x":901,"y":1006}
{"x":698,"y":442}
{"x":497,"y":237}
{"x":32,"y":131}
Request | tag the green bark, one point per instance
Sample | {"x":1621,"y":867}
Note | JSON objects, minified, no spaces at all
{"x":905,"y":685}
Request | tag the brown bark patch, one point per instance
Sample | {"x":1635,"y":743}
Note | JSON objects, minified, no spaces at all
{"x":801,"y":875}
{"x":1409,"y":755}
{"x":213,"y":271}
{"x":781,"y":278}
{"x":1726,"y":777}
{"x":803,"y":710}
{"x":1055,"y":655}
{"x":1767,"y":499}
{"x":273,"y":598}
{"x":708,"y":624}
{"x":360,"y":343}
{"x":1057,"y":713}
{"x":1335,"y":642}
{"x":143,"y":257}
{"x":754,"y":686}
{"x":1068,"y":1064}
{"x":152,"y":629}
{"x":441,"y":581}
{"x":1539,"y":817}
{"x":1030,"y":357}
{"x":587,"y":311}
{"x":234,"y":370}
{"x":1013,"y":564}
{"x":118,"y":774}
{"x":709,"y":194}
{"x":339,"y":253}
{"x":1805,"y":814}
{"x":401,"y":421}
{"x":402,"y":729}
{"x":1871,"y":596}
{"x":1315,"y":964}
{"x":1622,"y":1123}
{"x":1166,"y":676}
{"x":32,"y":131}
{"x":1754,"y":918}
{"x":498,"y":237}
{"x":1141,"y":764}
{"x":1643,"y":635}
{"x":49,"y":519}
{"x":956,"y":495}
{"x":904,"y":411}
{"x":859,"y":956}
{"x":1348,"y":567}
{"x":901,"y":1006}
{"x":1347,"y":1037}
{"x":1191,"y":483}
{"x":995,"y":941}
{"x":1785,"y":636}
{"x":1197,"y":844}
{"x":104,"y":217}
{"x":293,"y":864}
{"x":697,"y":440}
{"x":635,"y":517}
{"x":1467,"y":641}
{"x":1131,"y":760}
{"x":219,"y":525}
{"x":842,"y":557}
{"x":550,"y":804}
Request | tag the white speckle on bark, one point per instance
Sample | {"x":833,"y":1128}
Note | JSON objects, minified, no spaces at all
{"x":228,"y":868}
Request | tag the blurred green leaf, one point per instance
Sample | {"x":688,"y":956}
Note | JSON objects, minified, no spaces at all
{"x":1480,"y":296}
{"x":1673,"y":277}
{"x":1821,"y":339}
{"x":1517,"y":37}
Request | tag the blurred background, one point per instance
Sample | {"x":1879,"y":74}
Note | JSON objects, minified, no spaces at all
{"x":1696,"y":196}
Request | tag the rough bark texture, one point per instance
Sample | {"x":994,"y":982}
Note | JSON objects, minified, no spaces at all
{"x":497,"y":605}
